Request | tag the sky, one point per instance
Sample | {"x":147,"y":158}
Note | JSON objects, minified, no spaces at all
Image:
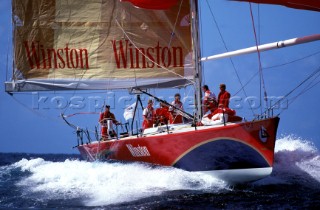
{"x":30,"y":122}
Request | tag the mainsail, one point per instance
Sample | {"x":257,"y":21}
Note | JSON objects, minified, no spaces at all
{"x":100,"y":44}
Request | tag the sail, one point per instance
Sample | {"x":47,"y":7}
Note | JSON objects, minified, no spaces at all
{"x":313,"y":5}
{"x":100,"y":44}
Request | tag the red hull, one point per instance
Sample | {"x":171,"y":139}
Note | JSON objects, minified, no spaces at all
{"x":245,"y":145}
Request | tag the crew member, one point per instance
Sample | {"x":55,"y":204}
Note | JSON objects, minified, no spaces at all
{"x":220,"y":115}
{"x":224,"y":110}
{"x":224,"y":96}
{"x":106,"y":120}
{"x":176,"y":117}
{"x":162,"y":115}
{"x":148,"y":115}
{"x":209,"y":100}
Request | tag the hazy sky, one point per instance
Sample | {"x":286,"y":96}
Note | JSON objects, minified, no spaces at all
{"x":28,"y":125}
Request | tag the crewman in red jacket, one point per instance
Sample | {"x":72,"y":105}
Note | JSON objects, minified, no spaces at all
{"x":224,"y":96}
{"x":176,"y":118}
{"x":162,"y":115}
{"x":106,"y":119}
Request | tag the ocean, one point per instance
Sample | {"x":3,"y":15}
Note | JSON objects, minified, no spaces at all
{"x":52,"y":181}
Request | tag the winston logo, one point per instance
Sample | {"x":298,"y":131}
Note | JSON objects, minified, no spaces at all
{"x":47,"y":58}
{"x":138,"y":151}
{"x":127,"y":56}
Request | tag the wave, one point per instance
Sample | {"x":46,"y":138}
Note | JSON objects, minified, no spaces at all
{"x":102,"y":183}
{"x":108,"y":183}
{"x":297,"y":161}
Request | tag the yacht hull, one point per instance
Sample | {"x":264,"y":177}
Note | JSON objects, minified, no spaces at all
{"x":235,"y":152}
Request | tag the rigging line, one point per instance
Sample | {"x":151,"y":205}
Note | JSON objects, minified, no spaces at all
{"x":301,"y":93}
{"x":307,"y":88}
{"x":85,"y":71}
{"x":175,"y":24}
{"x":8,"y":46}
{"x":201,"y":41}
{"x":106,"y":37}
{"x":73,"y":125}
{"x":79,"y":113}
{"x":299,"y":59}
{"x":275,"y":66}
{"x":187,"y":96}
{"x":247,"y":82}
{"x":264,"y":68}
{"x":54,"y":72}
{"x":299,"y":85}
{"x":311,"y":86}
{"x":260,"y":65}
{"x":114,"y":9}
{"x":182,"y":112}
{"x":125,"y":34}
{"x":232,"y":63}
{"x":34,"y":111}
{"x":294,"y":98}
{"x":135,"y":46}
{"x":7,"y":63}
{"x":66,"y":93}
{"x":259,"y":25}
{"x":16,"y":33}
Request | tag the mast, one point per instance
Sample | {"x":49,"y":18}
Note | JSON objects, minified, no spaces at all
{"x":197,"y":56}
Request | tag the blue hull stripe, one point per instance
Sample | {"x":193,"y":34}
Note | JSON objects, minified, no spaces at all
{"x":221,"y":154}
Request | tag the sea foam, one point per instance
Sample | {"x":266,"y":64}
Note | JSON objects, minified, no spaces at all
{"x":301,"y":153}
{"x":108,"y":183}
{"x":296,"y":160}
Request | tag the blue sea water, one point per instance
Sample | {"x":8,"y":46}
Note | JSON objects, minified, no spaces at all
{"x":66,"y":181}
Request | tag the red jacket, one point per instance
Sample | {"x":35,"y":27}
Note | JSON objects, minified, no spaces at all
{"x":162,"y":115}
{"x":223,"y":98}
{"x":104,"y":115}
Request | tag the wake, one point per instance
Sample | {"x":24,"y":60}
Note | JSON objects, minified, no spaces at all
{"x":108,"y":183}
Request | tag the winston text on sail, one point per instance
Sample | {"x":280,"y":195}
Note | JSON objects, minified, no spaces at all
{"x":128,"y":56}
{"x":46,"y":58}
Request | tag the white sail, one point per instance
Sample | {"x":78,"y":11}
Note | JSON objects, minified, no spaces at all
{"x":109,"y":44}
